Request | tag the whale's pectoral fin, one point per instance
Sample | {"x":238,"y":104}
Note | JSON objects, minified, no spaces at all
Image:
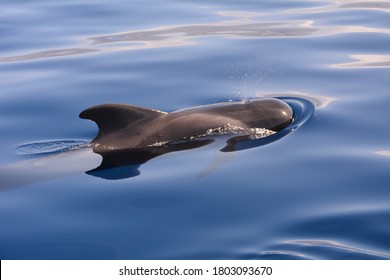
{"x":112,"y":117}
{"x":220,"y":159}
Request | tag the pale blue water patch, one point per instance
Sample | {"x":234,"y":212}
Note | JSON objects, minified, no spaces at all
{"x":320,"y":192}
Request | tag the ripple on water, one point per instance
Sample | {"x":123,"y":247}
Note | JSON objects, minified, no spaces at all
{"x":53,"y":146}
{"x":347,"y":234}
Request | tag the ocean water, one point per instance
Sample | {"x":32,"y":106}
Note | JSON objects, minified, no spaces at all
{"x":320,"y":192}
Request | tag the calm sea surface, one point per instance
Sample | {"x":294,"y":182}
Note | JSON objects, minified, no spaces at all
{"x":320,"y":192}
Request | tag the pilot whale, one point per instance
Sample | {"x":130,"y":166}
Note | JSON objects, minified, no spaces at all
{"x":131,"y":134}
{"x":128,"y":136}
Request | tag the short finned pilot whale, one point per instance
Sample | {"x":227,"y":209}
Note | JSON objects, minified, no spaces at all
{"x":130,"y":134}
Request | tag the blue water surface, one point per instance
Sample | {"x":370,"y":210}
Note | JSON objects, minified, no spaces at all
{"x":320,"y":192}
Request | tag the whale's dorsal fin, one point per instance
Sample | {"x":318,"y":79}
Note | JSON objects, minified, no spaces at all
{"x":112,"y":117}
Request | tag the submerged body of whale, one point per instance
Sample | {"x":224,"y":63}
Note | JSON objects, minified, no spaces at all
{"x":132,"y":135}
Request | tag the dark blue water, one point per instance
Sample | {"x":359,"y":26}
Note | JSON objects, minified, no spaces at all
{"x":320,"y":192}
